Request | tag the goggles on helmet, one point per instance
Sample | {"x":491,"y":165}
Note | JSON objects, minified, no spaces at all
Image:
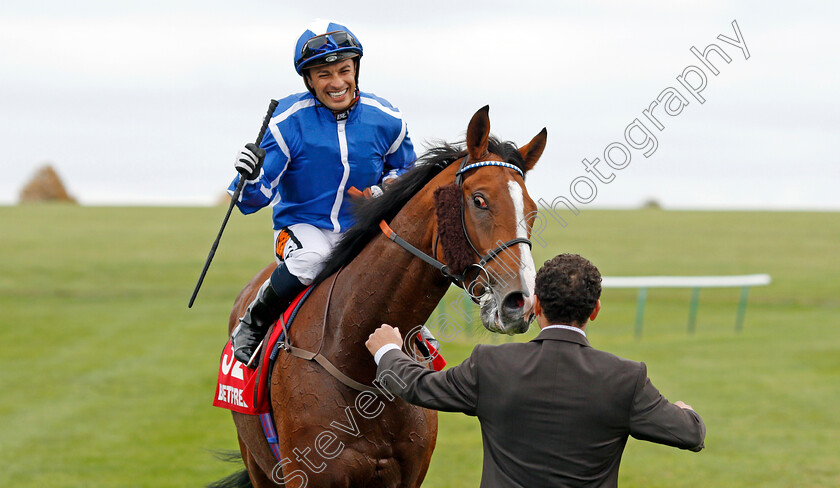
{"x":325,"y":43}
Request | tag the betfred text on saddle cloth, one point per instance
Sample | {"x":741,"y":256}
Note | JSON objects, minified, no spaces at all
{"x":245,"y":390}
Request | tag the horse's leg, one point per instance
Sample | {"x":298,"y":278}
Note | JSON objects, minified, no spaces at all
{"x":426,"y":457}
{"x":257,"y":456}
{"x":255,"y":473}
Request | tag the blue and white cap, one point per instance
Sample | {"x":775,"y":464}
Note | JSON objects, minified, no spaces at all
{"x":325,"y":42}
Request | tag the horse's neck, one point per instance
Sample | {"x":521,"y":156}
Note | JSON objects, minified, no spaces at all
{"x":385,"y":284}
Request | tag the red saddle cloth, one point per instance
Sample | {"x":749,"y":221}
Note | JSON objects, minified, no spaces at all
{"x":243,"y":389}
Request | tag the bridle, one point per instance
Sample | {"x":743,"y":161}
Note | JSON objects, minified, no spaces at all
{"x":460,"y":279}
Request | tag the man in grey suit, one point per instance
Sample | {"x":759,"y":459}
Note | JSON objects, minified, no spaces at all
{"x":553,"y":411}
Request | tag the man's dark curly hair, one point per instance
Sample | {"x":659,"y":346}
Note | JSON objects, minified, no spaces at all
{"x":568,"y":287}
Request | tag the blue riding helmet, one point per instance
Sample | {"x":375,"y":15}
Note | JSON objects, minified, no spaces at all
{"x":323,"y":43}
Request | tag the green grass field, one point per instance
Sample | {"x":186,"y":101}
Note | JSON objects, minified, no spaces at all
{"x":107,"y":378}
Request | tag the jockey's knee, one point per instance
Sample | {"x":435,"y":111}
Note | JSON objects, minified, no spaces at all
{"x":306,"y":265}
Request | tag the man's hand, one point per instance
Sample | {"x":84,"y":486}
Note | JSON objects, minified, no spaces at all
{"x":382,"y":336}
{"x":683,"y":405}
{"x":249,"y":161}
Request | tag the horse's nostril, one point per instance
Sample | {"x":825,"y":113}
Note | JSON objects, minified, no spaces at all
{"x":514,"y":301}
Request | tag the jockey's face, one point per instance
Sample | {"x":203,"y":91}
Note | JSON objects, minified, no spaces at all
{"x":334,"y":84}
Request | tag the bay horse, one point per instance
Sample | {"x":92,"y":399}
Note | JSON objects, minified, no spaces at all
{"x":326,"y":437}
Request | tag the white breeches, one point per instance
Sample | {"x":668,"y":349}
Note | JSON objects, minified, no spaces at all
{"x":304,"y":248}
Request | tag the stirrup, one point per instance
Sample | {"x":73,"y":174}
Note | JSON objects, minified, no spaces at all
{"x":256,"y":354}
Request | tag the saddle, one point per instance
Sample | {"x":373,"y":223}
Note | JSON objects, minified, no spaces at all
{"x":245,"y":390}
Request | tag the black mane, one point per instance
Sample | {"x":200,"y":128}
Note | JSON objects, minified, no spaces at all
{"x":369,"y":212}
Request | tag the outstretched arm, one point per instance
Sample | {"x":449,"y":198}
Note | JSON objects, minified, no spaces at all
{"x":655,"y":419}
{"x":453,"y":390}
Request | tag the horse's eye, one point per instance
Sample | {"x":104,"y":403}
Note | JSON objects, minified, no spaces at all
{"x":479,"y":201}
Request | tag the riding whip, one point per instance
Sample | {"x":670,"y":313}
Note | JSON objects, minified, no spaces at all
{"x":233,"y":199}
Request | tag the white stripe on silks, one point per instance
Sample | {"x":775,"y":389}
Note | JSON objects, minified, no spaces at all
{"x":375,"y":103}
{"x":255,"y":182}
{"x":275,"y":121}
{"x":276,"y":181}
{"x":393,"y":113}
{"x":526,"y":260}
{"x":281,"y":143}
{"x":278,"y":136}
{"x":339,"y":196}
{"x":309,"y":102}
{"x":399,"y":141}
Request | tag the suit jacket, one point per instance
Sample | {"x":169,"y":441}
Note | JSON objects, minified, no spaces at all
{"x":553,"y":411}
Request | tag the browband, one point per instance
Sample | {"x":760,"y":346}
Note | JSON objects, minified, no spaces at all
{"x":490,"y":163}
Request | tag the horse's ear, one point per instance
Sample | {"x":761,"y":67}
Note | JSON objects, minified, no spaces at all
{"x":532,"y":151}
{"x":478,"y":133}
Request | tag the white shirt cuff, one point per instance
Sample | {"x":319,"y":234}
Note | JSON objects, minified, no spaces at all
{"x":382,"y":350}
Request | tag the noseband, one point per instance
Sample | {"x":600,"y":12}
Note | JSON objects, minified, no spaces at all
{"x":460,"y":279}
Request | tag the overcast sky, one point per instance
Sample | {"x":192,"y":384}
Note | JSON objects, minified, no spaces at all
{"x":148,"y":102}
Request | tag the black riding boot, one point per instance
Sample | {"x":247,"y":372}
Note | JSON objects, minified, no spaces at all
{"x":273,"y":298}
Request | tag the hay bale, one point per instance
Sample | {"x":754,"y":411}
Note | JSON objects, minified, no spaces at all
{"x":224,"y":200}
{"x":651,"y":204}
{"x":45,"y":186}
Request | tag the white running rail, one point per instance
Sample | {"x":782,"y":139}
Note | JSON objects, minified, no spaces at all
{"x":694,"y":282}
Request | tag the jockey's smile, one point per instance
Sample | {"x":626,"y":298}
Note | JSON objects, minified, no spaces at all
{"x":334,"y":84}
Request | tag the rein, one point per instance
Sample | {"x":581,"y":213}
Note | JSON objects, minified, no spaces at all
{"x":320,"y":358}
{"x":457,"y":279}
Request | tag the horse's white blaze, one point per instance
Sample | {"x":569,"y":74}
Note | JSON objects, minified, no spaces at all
{"x":526,"y":261}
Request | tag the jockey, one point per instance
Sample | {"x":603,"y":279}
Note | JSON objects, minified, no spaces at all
{"x":317,"y":146}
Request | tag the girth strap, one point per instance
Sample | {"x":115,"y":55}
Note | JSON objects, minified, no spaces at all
{"x":318,"y":357}
{"x":331,"y":369}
